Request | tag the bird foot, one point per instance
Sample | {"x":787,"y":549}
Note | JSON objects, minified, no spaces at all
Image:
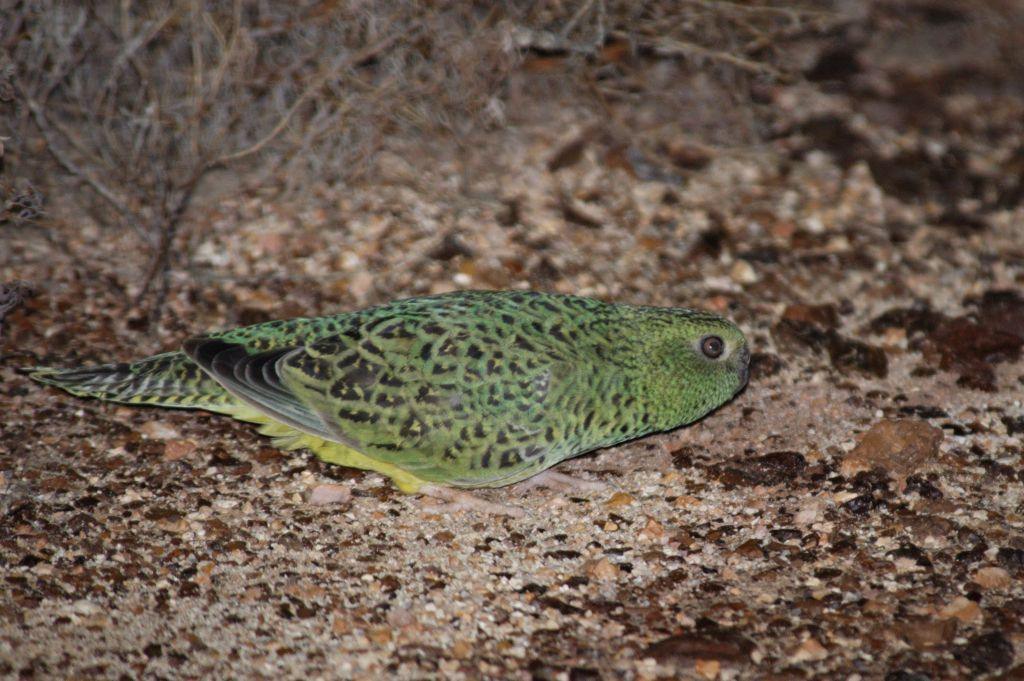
{"x":560,"y":482}
{"x":453,"y":500}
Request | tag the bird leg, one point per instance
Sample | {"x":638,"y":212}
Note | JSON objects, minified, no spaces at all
{"x":560,"y":482}
{"x":457,"y":500}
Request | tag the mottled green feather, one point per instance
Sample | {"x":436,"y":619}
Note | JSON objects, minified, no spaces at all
{"x":471,"y":389}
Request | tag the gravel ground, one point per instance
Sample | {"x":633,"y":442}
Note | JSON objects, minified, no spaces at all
{"x":857,"y":512}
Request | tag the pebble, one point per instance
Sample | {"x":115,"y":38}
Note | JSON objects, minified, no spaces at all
{"x":991,"y":577}
{"x":962,"y":609}
{"x":322,"y":495}
{"x":602,"y":569}
{"x":618,"y":500}
{"x":743,"y":272}
{"x":175,"y":450}
{"x":808,"y":651}
{"x":159,"y":430}
{"x":898,"y":447}
{"x":708,"y":669}
{"x":652,"y":531}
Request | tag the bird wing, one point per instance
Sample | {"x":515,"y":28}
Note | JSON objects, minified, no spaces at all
{"x":449,"y":398}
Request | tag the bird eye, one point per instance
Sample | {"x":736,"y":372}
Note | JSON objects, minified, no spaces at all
{"x":712,"y":346}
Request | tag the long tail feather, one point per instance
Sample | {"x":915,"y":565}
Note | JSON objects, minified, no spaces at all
{"x":167,"y":380}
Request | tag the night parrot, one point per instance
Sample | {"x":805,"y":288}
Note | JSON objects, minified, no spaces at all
{"x":461,"y":390}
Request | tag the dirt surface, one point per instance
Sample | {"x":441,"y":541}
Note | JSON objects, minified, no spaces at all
{"x":857,"y":512}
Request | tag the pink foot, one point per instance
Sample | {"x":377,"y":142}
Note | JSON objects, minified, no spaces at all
{"x":560,"y":482}
{"x":456,"y":500}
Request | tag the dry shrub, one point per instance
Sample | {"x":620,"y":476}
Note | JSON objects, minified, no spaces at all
{"x":140,"y":100}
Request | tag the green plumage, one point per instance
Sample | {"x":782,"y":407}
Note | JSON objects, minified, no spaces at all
{"x":471,"y":389}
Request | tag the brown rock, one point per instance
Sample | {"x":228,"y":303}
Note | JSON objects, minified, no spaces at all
{"x":808,"y":651}
{"x":991,"y":578}
{"x":602,"y":569}
{"x":462,"y":649}
{"x":708,"y":669}
{"x":707,"y":644}
{"x":158,"y":430}
{"x":176,"y":450}
{"x":379,"y":635}
{"x":925,"y":633}
{"x":899,"y":447}
{"x":618,"y":500}
{"x":750,"y":549}
{"x":962,"y":609}
{"x":652,"y":531}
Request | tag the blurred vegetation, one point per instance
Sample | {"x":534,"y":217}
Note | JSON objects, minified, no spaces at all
{"x":137,"y":102}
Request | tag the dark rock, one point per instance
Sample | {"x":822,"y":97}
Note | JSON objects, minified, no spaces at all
{"x":792,"y":336}
{"x":568,"y":154}
{"x":685,"y":455}
{"x":848,"y":355}
{"x":773,"y":468}
{"x":916,"y":320}
{"x":807,"y":328}
{"x":921,"y":486}
{"x":904,"y":675}
{"x":1014,"y":424}
{"x":704,"y":644}
{"x":985,"y":653}
{"x":450,"y":247}
{"x":824,"y":316}
{"x":860,"y":505}
{"x":839,"y":63}
{"x":560,"y":605}
{"x":971,"y":346}
{"x":923,"y":411}
{"x":1011,"y":558}
{"x":765,"y":364}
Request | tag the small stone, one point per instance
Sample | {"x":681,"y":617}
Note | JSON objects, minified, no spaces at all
{"x":176,"y":525}
{"x":809,"y":514}
{"x":652,"y":531}
{"x":323,"y":495}
{"x":602,"y":569}
{"x":175,"y":450}
{"x":689,"y":154}
{"x":708,"y":669}
{"x":686,"y":501}
{"x":899,"y":447}
{"x":808,"y":651}
{"x":750,"y":549}
{"x":462,"y":649}
{"x":618,"y":500}
{"x":962,"y":609}
{"x":379,"y":635}
{"x":743,"y":272}
{"x":991,"y":578}
{"x":158,"y":430}
{"x":340,"y":625}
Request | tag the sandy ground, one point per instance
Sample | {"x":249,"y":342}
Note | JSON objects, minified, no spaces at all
{"x":872,"y":250}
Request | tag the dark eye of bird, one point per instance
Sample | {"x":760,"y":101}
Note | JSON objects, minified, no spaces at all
{"x":712,"y":346}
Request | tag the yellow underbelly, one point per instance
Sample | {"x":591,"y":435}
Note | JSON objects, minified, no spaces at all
{"x":287,"y":437}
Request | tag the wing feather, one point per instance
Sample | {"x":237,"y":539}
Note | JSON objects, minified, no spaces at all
{"x":254,"y":379}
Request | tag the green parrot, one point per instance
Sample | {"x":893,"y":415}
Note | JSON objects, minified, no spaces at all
{"x":447,"y":392}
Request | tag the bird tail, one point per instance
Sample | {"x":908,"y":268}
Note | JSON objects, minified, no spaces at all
{"x":170,"y":379}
